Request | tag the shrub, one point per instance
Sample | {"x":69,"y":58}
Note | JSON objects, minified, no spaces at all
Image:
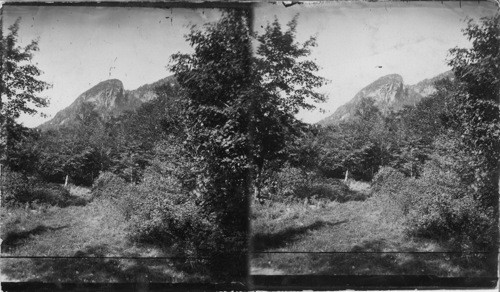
{"x":54,"y":194}
{"x":446,"y":209}
{"x":15,"y":186}
{"x":333,"y":190}
{"x":436,"y":205}
{"x":393,"y":192}
{"x":22,"y":189}
{"x":109,"y":185}
{"x":387,"y":180}
{"x":290,"y":183}
{"x":165,"y":214}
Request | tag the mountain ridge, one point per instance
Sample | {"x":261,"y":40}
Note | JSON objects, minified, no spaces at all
{"x":109,"y":99}
{"x":389,"y":92}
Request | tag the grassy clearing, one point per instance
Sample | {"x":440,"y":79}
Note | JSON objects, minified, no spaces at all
{"x":90,"y":233}
{"x":356,"y":227}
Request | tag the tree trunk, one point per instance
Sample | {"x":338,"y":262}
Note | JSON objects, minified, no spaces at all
{"x":257,"y":187}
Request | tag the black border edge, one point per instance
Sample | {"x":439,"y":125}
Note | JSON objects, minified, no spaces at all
{"x":138,"y":4}
{"x":372,"y":282}
{"x":125,"y":287}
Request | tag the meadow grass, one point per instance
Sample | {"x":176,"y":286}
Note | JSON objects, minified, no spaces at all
{"x":89,"y":235}
{"x":359,"y":238}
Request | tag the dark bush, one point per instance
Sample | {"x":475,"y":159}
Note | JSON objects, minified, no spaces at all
{"x":436,"y":205}
{"x":19,"y":188}
{"x":287,"y":182}
{"x":53,"y":194}
{"x":388,"y":180}
{"x":163,"y":213}
{"x":445,"y":209}
{"x":394,"y":192}
{"x":291,"y":183}
{"x":109,"y":185}
{"x":333,"y":190}
{"x":15,"y":186}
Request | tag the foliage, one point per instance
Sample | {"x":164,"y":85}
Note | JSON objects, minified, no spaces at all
{"x":445,"y":208}
{"x":215,"y":81}
{"x":163,"y":212}
{"x":123,"y":145}
{"x":387,"y":180}
{"x":79,"y":152}
{"x":134,"y":135}
{"x":394,"y":191}
{"x":15,"y":185}
{"x":19,"y":84}
{"x":358,"y":145}
{"x":109,"y":185}
{"x":478,"y":110}
{"x":292,"y":183}
{"x":284,"y":82}
{"x":240,"y":109}
{"x":19,"y":87}
{"x":22,"y":189}
{"x":22,"y":151}
{"x":439,"y":203}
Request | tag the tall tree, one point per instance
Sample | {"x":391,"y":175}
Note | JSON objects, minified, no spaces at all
{"x":215,"y":82}
{"x":19,"y":84}
{"x":478,"y":74}
{"x":241,"y":108}
{"x":284,"y":82}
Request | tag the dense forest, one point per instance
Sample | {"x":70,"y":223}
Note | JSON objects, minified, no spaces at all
{"x":183,"y":169}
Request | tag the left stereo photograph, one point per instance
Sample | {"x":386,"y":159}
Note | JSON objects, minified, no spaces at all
{"x":124,"y":144}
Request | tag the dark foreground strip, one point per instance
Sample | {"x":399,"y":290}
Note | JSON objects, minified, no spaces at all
{"x":324,"y":282}
{"x":270,"y":283}
{"x":125,"y":287}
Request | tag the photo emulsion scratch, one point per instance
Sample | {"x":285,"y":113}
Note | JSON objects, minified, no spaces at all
{"x":277,"y":146}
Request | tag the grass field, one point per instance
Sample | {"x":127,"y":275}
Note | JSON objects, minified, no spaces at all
{"x":81,"y":244}
{"x":351,"y":238}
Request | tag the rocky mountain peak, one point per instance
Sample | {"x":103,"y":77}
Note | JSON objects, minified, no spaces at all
{"x":105,"y":94}
{"x":389,"y":93}
{"x":386,"y":89}
{"x":109,"y":99}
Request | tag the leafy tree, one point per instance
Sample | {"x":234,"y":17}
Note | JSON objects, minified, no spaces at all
{"x":359,"y":145}
{"x":215,"y":82}
{"x":240,"y":108}
{"x":415,"y":128}
{"x":459,"y":195}
{"x":477,"y":72}
{"x":284,"y":82}
{"x":23,"y":152}
{"x":19,"y":84}
{"x":135,"y":134}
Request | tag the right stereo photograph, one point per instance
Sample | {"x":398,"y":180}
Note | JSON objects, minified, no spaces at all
{"x":382,"y":171}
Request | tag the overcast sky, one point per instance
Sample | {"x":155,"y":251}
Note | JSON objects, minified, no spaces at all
{"x":354,"y":39}
{"x":80,"y":46}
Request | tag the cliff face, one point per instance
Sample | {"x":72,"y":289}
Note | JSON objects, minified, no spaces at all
{"x":108,"y":99}
{"x":389,"y":93}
